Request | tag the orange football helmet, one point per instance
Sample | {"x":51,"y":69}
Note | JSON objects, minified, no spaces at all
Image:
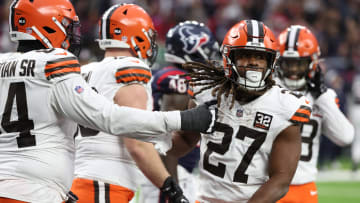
{"x":129,"y":26}
{"x":54,"y":23}
{"x":249,"y":36}
{"x":299,"y":56}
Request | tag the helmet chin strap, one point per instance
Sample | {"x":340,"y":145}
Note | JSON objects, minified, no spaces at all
{"x":294,"y":84}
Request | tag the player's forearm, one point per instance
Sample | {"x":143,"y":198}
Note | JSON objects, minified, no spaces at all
{"x":171,"y":163}
{"x":183,"y":143}
{"x":93,"y":110}
{"x":275,"y":188}
{"x":149,"y":162}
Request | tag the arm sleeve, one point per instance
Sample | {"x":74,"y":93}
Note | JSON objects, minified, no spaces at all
{"x":335,"y":125}
{"x":74,"y":99}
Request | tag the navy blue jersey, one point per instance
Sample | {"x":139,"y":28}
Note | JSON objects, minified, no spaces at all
{"x":169,"y":80}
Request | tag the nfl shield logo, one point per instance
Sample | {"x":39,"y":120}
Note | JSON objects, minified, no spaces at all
{"x":239,"y":112}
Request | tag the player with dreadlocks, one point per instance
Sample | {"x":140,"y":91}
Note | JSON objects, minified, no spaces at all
{"x":253,"y":152}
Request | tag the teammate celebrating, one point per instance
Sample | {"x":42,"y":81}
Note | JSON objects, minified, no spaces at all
{"x":104,"y":163}
{"x":253,"y":153}
{"x":43,"y":97}
{"x":187,"y":41}
{"x":299,"y":71}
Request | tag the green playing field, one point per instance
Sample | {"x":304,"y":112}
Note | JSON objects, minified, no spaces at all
{"x":339,"y":192}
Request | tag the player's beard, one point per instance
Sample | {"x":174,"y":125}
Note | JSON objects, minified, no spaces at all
{"x":243,"y":95}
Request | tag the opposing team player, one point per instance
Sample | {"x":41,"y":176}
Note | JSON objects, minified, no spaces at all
{"x":43,"y":97}
{"x":253,"y":153}
{"x":107,"y":167}
{"x":299,"y":71}
{"x":185,"y":42}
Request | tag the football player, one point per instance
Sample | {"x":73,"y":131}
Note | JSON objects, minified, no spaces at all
{"x":107,"y":167}
{"x":43,"y":97}
{"x":185,"y":42}
{"x":253,"y":152}
{"x":299,"y":71}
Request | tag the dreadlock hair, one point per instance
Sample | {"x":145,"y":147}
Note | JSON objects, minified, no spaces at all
{"x":212,"y":75}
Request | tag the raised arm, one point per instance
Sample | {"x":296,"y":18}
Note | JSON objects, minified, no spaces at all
{"x":335,"y":125}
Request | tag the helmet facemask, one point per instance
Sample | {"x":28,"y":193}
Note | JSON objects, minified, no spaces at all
{"x":152,"y":52}
{"x":74,"y":37}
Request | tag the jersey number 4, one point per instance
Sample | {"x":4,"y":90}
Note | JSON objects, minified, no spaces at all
{"x":22,"y":125}
{"x":223,"y":147}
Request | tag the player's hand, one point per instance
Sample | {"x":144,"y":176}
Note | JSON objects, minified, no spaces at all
{"x":316,"y":85}
{"x":172,"y":191}
{"x":199,"y":119}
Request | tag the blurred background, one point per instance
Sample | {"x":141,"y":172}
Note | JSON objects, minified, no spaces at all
{"x":336,"y":24}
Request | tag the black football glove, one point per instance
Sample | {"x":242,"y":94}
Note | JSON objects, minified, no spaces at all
{"x":172,"y":191}
{"x":316,"y":85}
{"x":199,"y":119}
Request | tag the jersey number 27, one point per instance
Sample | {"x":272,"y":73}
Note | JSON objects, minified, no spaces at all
{"x":223,"y":147}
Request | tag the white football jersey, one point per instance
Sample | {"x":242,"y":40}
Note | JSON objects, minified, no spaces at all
{"x":101,"y":156}
{"x":326,"y":119}
{"x":234,"y":159}
{"x":36,"y":143}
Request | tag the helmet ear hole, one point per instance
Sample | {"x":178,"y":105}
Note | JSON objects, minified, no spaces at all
{"x":48,"y":30}
{"x":125,"y":12}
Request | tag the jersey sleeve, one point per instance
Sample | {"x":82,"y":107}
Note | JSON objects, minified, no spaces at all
{"x":335,"y":125}
{"x":132,"y":70}
{"x":59,"y":64}
{"x":75,"y":99}
{"x":301,"y":115}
